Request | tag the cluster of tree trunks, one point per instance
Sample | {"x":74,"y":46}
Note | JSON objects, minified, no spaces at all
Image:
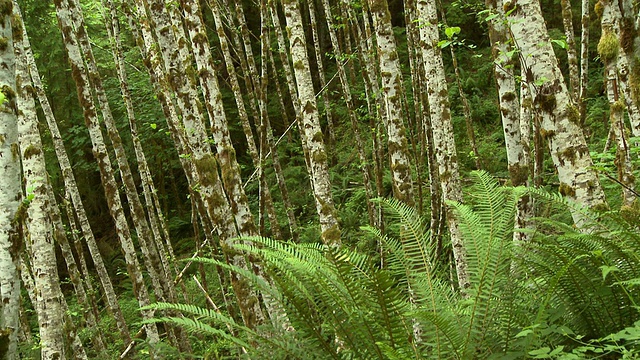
{"x":173,"y":41}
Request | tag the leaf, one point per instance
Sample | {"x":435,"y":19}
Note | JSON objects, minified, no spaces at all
{"x":153,"y":126}
{"x":2,"y":98}
{"x":561,"y":43}
{"x":606,"y":270}
{"x":444,"y":43}
{"x":450,"y":31}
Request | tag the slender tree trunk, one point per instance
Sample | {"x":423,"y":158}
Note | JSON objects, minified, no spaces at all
{"x":572,"y":57}
{"x":444,"y":145}
{"x":584,"y":60}
{"x":616,"y":42}
{"x":466,"y":110}
{"x":392,"y":90}
{"x":610,"y":28}
{"x":47,"y":293}
{"x":244,"y":117}
{"x":560,"y":118}
{"x":331,"y":141}
{"x":81,"y":77}
{"x":10,"y":196}
{"x":310,"y":127}
{"x":72,"y":189}
{"x":518,"y":157}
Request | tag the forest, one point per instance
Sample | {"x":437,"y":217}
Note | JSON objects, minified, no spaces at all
{"x":319,"y":179}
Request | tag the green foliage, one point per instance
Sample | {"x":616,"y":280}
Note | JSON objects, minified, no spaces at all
{"x":564,"y":295}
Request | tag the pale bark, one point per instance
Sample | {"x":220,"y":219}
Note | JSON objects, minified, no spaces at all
{"x":331,"y":141}
{"x":516,"y":143}
{"x":444,"y":145}
{"x":226,"y":154}
{"x":584,"y":60}
{"x":610,"y":26}
{"x":244,"y":117}
{"x":10,"y":197}
{"x":74,"y":195}
{"x":392,"y":90}
{"x":616,"y":33}
{"x":310,"y":127}
{"x":150,"y":255}
{"x":572,"y":57}
{"x":154,"y":212}
{"x":560,"y":118}
{"x":351,"y":109}
{"x":81,"y":77}
{"x":47,"y":293}
{"x":190,"y":137}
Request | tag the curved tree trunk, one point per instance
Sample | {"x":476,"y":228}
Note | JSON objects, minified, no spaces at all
{"x":560,"y":117}
{"x":71,"y":188}
{"x":85,"y":97}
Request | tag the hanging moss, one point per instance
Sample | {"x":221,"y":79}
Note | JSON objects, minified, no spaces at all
{"x":298,"y":65}
{"x":547,"y":134}
{"x":599,"y":9}
{"x":16,"y":28}
{"x":509,"y":96}
{"x":207,"y":169}
{"x":518,"y":174}
{"x":608,"y":46}
{"x":31,"y":151}
{"x":569,"y":154}
{"x":4,"y":43}
{"x":573,"y":115}
{"x":15,"y":151}
{"x":331,"y":236}
{"x":617,"y":106}
{"x":627,"y":35}
{"x":566,"y":190}
{"x":547,"y":102}
{"x":319,"y":157}
{"x":6,"y":7}
{"x":317,"y":137}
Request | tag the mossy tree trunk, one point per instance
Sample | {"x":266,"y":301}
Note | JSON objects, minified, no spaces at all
{"x":610,"y":23}
{"x":560,"y":125}
{"x":309,"y":124}
{"x":392,"y":92}
{"x":444,"y":145}
{"x":516,"y":143}
{"x":85,"y":97}
{"x":73,"y":193}
{"x":56,"y":334}
{"x":10,"y":196}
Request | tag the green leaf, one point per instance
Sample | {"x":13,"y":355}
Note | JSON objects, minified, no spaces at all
{"x":444,"y":43}
{"x":153,"y":126}
{"x":561,"y":43}
{"x":606,"y":270}
{"x":2,"y":98}
{"x":450,"y":31}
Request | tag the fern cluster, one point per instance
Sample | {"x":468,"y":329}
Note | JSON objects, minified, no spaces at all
{"x":526,"y":300}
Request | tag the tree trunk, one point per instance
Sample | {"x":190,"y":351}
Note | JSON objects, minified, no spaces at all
{"x":584,"y":61}
{"x":81,"y":77}
{"x":71,"y":188}
{"x":10,"y":196}
{"x":310,"y":127}
{"x":572,"y":57}
{"x":39,"y":228}
{"x":392,"y":90}
{"x":518,"y":157}
{"x":351,"y":109}
{"x":444,"y":145}
{"x":560,"y":118}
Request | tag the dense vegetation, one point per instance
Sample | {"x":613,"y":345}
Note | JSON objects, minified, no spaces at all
{"x":389,"y":286}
